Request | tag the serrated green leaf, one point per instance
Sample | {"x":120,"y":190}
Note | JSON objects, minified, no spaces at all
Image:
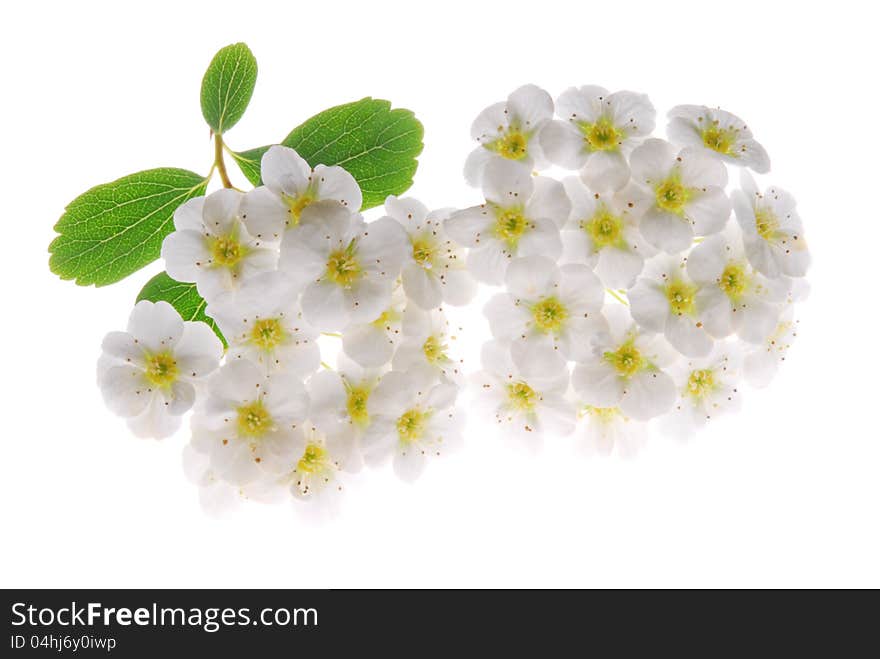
{"x":249,"y":163}
{"x":376,"y":144}
{"x":228,"y":86}
{"x":182,"y":296}
{"x":117,"y":228}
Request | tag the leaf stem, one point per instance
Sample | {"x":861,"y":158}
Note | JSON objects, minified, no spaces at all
{"x":219,"y":163}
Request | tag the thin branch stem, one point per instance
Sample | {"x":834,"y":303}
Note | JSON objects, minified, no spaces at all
{"x":617,"y":296}
{"x":219,"y":163}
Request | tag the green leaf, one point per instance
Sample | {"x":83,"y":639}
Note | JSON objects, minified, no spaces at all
{"x":377,"y":145}
{"x":117,"y":228}
{"x":183,"y":297}
{"x":249,"y":163}
{"x":228,"y":86}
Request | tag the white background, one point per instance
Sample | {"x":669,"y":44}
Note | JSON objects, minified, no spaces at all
{"x":784,"y":494}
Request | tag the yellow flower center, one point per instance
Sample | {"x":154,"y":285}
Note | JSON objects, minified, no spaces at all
{"x":549,"y":315}
{"x":722,"y":140}
{"x":602,"y":135}
{"x":521,"y":396}
{"x":671,"y":195}
{"x":603,"y":415}
{"x":510,"y":225}
{"x":681,"y":296}
{"x":513,"y":145}
{"x":267,"y":333}
{"x":226,"y":251}
{"x":386,"y":318}
{"x":343,"y":268}
{"x":734,"y":280}
{"x":424,"y":252}
{"x":700,"y":383}
{"x":626,"y":360}
{"x":296,"y":205}
{"x":161,"y":369}
{"x":253,"y":420}
{"x":315,"y":459}
{"x":434,"y":349}
{"x":766,"y":223}
{"x":604,"y":228}
{"x":411,"y":425}
{"x":356,"y":404}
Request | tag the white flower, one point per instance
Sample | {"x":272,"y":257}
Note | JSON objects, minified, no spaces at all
{"x":707,"y":387}
{"x":625,"y":371}
{"x":412,"y":416}
{"x":251,"y":423}
{"x":521,"y":217}
{"x":607,"y":429}
{"x":425,"y":344}
{"x":603,"y":232}
{"x":597,"y":132}
{"x":339,"y":404}
{"x":772,"y":229}
{"x":683,"y":194}
{"x":290,"y":186}
{"x":525,"y":408}
{"x":313,"y":474}
{"x":263,"y":323}
{"x":211,"y":246}
{"x":372,"y":344}
{"x":549,"y":314}
{"x":509,"y":130}
{"x":733,"y":298}
{"x":148,"y":373}
{"x":665,"y":300}
{"x":762,"y":362}
{"x":216,"y":497}
{"x":434,"y":271}
{"x":720,"y":133}
{"x":350,"y":265}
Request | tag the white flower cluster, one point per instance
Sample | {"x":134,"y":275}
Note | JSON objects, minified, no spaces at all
{"x":285,"y":268}
{"x":628,"y":293}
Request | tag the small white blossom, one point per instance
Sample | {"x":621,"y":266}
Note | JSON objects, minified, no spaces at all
{"x":762,"y":362}
{"x":521,"y":217}
{"x":525,"y":408}
{"x":211,"y":246}
{"x":217,"y":498}
{"x":664,"y":300}
{"x":263,"y":323}
{"x":425,"y":344}
{"x":549,"y":314}
{"x":625,"y":370}
{"x":682,"y":193}
{"x":721,"y":134}
{"x":313,"y":475}
{"x":412,"y":416}
{"x":707,"y":387}
{"x":733,"y":298}
{"x":350,"y":265}
{"x":251,"y":425}
{"x":597,"y":132}
{"x":434,"y":271}
{"x":290,"y":186}
{"x":772,"y":230}
{"x":602,"y":231}
{"x":372,"y":344}
{"x":339,"y":404}
{"x":509,"y":131}
{"x":149,"y":373}
{"x":607,"y":430}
